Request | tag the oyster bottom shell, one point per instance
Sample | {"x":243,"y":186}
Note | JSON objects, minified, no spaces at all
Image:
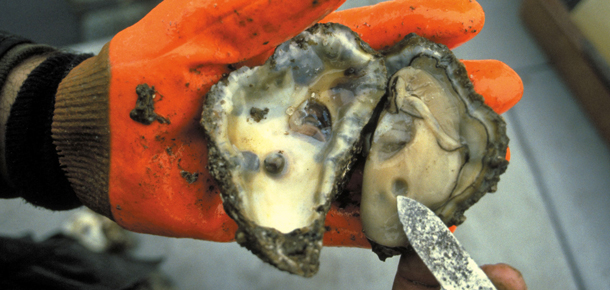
{"x":282,"y":138}
{"x":435,"y":141}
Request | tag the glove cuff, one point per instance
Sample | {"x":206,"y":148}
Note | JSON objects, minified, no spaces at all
{"x":81,"y":130}
{"x":31,"y":158}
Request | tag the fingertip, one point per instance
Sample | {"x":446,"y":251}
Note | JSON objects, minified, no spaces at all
{"x":499,"y":84}
{"x":384,"y":24}
{"x":505,"y":277}
{"x":210,"y":32}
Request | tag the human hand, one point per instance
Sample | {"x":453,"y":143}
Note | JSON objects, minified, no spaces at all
{"x":147,"y":166}
{"x":413,"y":274}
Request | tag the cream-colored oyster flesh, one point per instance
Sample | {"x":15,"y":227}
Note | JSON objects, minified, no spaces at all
{"x":435,"y":142}
{"x":283,"y":136}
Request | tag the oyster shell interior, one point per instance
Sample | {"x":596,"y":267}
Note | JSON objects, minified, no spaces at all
{"x":284,"y":135}
{"x":435,"y":141}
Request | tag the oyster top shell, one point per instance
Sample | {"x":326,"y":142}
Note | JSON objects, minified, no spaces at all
{"x":283,"y":136}
{"x":435,"y":141}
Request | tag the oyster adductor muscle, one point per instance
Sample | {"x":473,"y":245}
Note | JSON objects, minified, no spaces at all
{"x":283,"y":136}
{"x":435,"y":141}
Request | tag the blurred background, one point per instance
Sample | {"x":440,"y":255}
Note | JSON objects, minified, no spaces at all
{"x":66,"y":22}
{"x":547,"y":218}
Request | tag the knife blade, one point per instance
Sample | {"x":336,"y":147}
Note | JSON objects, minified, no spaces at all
{"x":439,"y":249}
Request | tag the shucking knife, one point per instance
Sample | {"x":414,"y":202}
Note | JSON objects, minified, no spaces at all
{"x":439,"y":249}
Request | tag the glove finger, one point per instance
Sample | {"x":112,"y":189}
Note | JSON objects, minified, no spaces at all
{"x":450,"y":23}
{"x":382,"y":25}
{"x":500,"y":85}
{"x":227,"y":32}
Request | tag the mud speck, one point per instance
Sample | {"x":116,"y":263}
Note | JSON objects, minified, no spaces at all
{"x":189,"y":177}
{"x":144,"y":112}
{"x":258,"y":114}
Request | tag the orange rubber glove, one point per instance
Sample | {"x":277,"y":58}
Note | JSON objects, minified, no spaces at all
{"x":144,"y":165}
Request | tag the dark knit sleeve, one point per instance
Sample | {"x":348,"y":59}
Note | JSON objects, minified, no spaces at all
{"x":13,"y":51}
{"x":31,"y":157}
{"x":9,"y":41}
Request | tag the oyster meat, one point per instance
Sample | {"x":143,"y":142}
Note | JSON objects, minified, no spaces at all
{"x":282,"y":138}
{"x":435,"y":141}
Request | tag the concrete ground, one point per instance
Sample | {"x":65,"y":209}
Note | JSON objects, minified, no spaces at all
{"x":547,"y":218}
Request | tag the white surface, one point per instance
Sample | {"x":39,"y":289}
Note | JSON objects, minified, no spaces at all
{"x":547,"y":219}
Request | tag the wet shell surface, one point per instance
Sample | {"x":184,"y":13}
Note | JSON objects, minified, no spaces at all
{"x":435,"y":141}
{"x":283,"y":136}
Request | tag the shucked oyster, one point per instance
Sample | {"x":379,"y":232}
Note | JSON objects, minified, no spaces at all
{"x":435,"y":141}
{"x":283,"y":136}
